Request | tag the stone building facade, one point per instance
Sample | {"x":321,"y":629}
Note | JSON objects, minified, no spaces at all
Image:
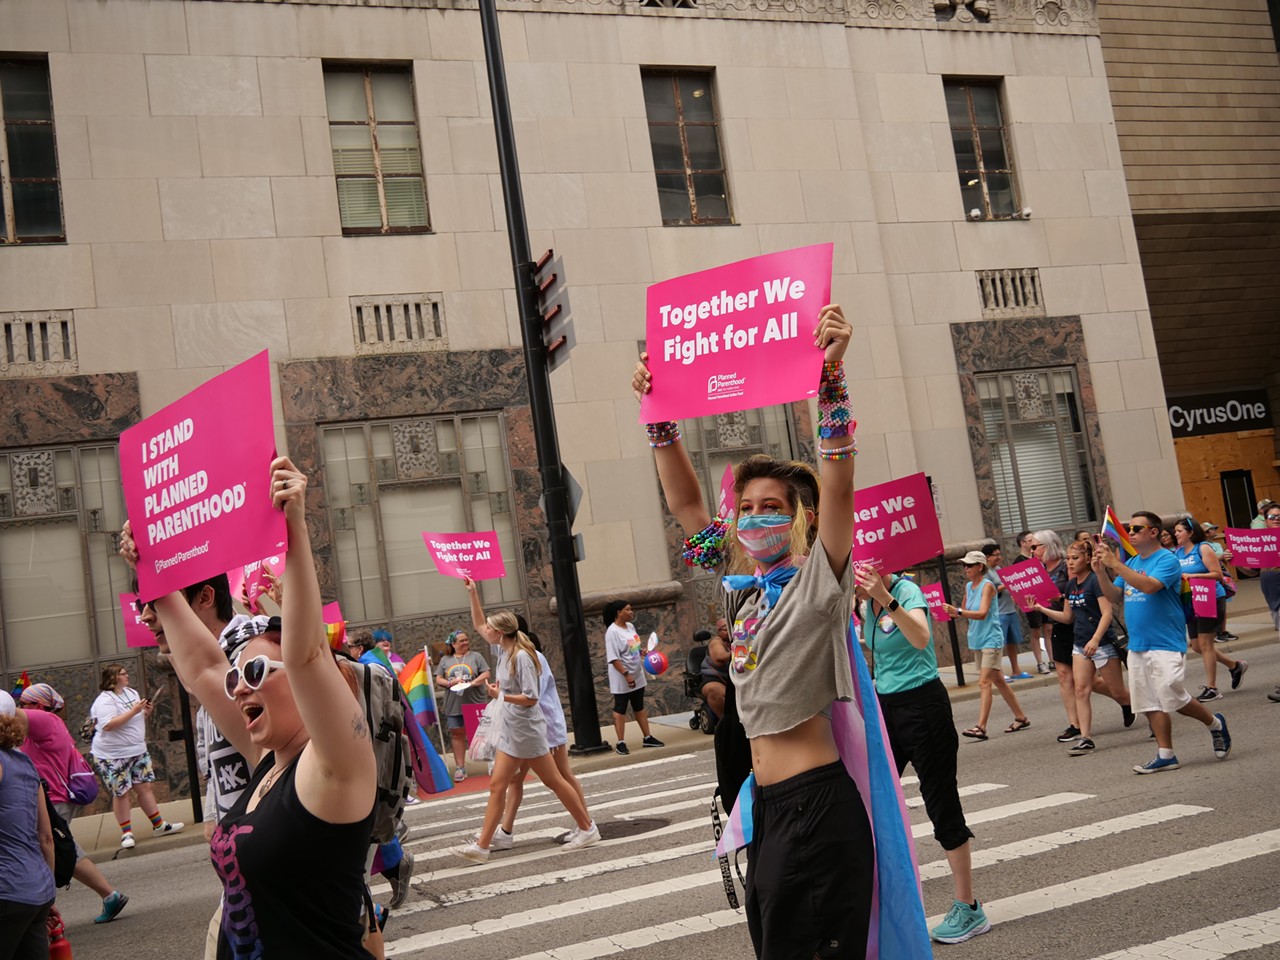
{"x":216,"y":190}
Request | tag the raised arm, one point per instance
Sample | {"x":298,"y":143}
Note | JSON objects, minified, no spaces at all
{"x":835,"y":510}
{"x":337,"y":777}
{"x":478,"y":619}
{"x":680,"y":486}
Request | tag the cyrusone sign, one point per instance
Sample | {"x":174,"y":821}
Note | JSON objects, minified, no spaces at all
{"x":1206,"y":413}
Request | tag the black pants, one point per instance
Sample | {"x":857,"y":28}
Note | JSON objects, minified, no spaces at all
{"x":23,"y":932}
{"x":922,"y":732}
{"x":809,"y":871}
{"x":733,"y":750}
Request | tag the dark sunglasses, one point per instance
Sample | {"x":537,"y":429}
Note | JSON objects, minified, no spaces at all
{"x":1135,"y":527}
{"x":255,"y":672}
{"x":141,"y":605}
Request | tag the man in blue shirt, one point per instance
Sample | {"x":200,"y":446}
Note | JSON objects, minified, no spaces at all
{"x":1150,"y":585}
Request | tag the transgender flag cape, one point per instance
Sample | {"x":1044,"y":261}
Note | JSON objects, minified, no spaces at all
{"x":898,"y":930}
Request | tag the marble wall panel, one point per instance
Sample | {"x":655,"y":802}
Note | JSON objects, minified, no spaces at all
{"x":49,"y":410}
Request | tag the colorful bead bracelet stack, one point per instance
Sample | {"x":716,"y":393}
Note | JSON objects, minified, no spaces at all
{"x":662,"y":434}
{"x":835,"y":420}
{"x":706,"y":547}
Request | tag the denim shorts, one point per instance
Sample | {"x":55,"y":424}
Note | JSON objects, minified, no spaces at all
{"x":1105,"y":652}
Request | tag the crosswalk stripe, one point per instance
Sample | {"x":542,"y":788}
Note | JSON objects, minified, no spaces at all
{"x":1008,"y":810}
{"x":446,"y":844}
{"x":643,"y":937}
{"x":1210,"y":943}
{"x":1032,"y":846}
{"x":969,"y":791}
{"x":552,"y":800}
{"x":1181,"y":864}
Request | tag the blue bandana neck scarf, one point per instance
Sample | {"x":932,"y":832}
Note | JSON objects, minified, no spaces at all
{"x":771,"y":583}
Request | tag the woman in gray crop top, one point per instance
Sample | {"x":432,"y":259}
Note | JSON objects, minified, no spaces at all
{"x":809,"y":878}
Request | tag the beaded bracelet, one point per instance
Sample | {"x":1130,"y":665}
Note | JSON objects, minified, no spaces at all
{"x":706,"y":547}
{"x":834,"y":417}
{"x":662,"y":434}
{"x":840,"y":453}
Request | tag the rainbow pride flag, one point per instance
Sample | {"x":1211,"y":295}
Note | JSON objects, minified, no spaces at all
{"x":429,"y":770}
{"x":23,"y":682}
{"x":1114,"y":530}
{"x":415,"y":677}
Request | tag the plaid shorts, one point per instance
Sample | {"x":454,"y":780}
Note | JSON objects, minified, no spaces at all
{"x":119,"y":776}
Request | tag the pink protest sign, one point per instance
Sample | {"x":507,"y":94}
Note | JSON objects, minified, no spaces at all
{"x":1254,"y":548}
{"x":196,"y":479}
{"x":725,"y":508}
{"x":330,"y":613}
{"x":136,"y":633}
{"x":895,"y":525}
{"x":258,"y":577}
{"x":474,"y":555}
{"x":1204,"y":600}
{"x":736,"y":337}
{"x":937,"y":605}
{"x":1029,"y":582}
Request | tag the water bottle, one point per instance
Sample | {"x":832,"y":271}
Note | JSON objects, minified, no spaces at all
{"x":59,"y":945}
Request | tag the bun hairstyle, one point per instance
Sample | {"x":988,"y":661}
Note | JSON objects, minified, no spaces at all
{"x":505,"y":622}
{"x":611,"y":610}
{"x":1084,"y":547}
{"x":802,"y":495}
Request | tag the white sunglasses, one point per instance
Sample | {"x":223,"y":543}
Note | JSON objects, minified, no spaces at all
{"x":255,"y":672}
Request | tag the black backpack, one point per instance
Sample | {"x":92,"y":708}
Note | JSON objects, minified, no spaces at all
{"x":64,"y":845}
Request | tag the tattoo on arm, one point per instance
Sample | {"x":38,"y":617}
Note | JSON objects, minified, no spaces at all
{"x":358,"y":727}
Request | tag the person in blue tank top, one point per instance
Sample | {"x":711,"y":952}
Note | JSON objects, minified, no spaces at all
{"x":1198,"y":561}
{"x":987,"y":641}
{"x":1149,"y":586}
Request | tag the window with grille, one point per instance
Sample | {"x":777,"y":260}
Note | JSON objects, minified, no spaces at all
{"x":377,"y":159}
{"x":684,"y":134}
{"x":981,"y":144}
{"x":388,"y":482}
{"x":1039,"y":454}
{"x":61,"y":510}
{"x":30,"y":194}
{"x":729,"y":438}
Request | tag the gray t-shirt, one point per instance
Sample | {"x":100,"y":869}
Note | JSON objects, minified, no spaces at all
{"x":459,"y":670}
{"x":1005,"y":605}
{"x":524,"y":731}
{"x":795,"y":663}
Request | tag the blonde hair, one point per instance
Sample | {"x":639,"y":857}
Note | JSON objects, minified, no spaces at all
{"x":505,"y":622}
{"x":802,"y":495}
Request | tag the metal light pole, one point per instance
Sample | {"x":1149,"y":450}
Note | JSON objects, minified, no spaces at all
{"x":573,"y":636}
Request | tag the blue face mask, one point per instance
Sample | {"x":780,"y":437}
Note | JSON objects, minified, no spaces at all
{"x":766,"y":537}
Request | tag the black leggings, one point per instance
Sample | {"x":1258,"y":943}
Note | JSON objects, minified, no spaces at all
{"x":809,"y":868}
{"x":23,"y":932}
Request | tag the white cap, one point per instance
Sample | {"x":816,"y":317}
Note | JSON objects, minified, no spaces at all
{"x":7,"y":707}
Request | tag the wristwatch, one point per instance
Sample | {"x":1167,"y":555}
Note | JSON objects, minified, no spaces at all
{"x":893,"y":604}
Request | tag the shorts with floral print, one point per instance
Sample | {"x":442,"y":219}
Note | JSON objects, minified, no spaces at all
{"x":119,"y":776}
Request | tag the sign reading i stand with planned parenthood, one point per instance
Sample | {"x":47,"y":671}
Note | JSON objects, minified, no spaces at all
{"x":736,"y":337}
{"x":197,"y":481}
{"x":1229,"y":412}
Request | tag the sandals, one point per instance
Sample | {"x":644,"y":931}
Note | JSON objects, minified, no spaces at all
{"x":975,"y":733}
{"x":1018,"y":725}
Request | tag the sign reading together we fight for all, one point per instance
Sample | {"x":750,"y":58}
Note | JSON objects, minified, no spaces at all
{"x":197,"y":481}
{"x":736,"y":337}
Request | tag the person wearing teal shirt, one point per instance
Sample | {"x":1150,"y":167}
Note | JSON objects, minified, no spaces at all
{"x":922,"y":731}
{"x":986,"y":639}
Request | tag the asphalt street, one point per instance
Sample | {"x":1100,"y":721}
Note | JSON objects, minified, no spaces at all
{"x":1076,"y":858}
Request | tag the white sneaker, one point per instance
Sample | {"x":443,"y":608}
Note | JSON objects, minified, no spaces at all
{"x":584,"y":838}
{"x":169,"y":826}
{"x":501,"y":840}
{"x":459,"y":774}
{"x":473,"y":852}
{"x":126,"y":841}
{"x":411,"y":801}
{"x":572,"y":833}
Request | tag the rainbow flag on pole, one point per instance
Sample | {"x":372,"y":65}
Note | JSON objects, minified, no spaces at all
{"x":429,"y":769}
{"x":1113,"y":529}
{"x":415,"y":677}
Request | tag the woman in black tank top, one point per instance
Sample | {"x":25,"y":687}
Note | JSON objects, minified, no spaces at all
{"x":291,"y":852}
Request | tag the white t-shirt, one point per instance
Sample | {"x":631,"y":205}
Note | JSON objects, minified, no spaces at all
{"x":125,"y":741}
{"x":623,"y":643}
{"x":549,"y":701}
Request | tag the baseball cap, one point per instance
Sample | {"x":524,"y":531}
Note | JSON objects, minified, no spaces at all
{"x":974,"y":556}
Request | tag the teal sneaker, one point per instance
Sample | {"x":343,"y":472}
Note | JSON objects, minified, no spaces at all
{"x":111,"y":907}
{"x":961,"y":923}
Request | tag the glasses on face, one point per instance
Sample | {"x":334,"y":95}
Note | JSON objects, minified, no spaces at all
{"x":141,"y":605}
{"x":1273,"y":516}
{"x":1138,"y":527}
{"x":1034,"y":546}
{"x":255,"y":672}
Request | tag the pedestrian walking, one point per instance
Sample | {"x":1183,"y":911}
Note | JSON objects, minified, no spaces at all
{"x":986,"y":640}
{"x":1035,"y":621}
{"x":462,"y":674}
{"x":1199,"y":562}
{"x":1010,"y":622}
{"x":625,"y":657}
{"x":1149,"y":587}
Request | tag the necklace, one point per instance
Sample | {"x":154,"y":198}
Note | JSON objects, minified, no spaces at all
{"x":268,"y":780}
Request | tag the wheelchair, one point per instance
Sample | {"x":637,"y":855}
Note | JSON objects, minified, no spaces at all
{"x":703,"y":719}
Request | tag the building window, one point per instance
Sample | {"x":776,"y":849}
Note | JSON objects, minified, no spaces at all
{"x":61,"y":511}
{"x":729,"y":438}
{"x":684,"y":133}
{"x":982,"y":150}
{"x":388,"y":482}
{"x":1039,"y":455}
{"x":30,"y":198}
{"x":376,"y":156}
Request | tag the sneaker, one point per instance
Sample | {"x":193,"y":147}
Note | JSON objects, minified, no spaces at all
{"x":1020,"y":676}
{"x":1043,"y":668}
{"x":1082,"y":746}
{"x":1221,"y":738}
{"x":1156,"y":765}
{"x":412,"y":801}
{"x":962,"y":922}
{"x":459,"y":774}
{"x":1069,"y":734}
{"x":1274,"y":695}
{"x":621,"y":749}
{"x":473,"y":852}
{"x":571,"y":834}
{"x":584,"y":838}
{"x":1008,"y":678}
{"x":651,"y":741}
{"x":169,"y":826}
{"x":111,"y":907}
{"x":501,"y":840}
{"x":1237,"y":673}
{"x":400,"y":881}
{"x":1225,"y":637}
{"x":1126,"y":711}
{"x":1208,"y":695}
{"x":126,"y":841}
